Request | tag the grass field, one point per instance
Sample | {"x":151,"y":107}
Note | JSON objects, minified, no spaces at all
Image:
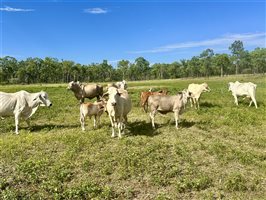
{"x":219,"y":152}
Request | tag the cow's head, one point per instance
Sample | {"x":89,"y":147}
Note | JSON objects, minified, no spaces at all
{"x":124,"y":85}
{"x":73,"y":85}
{"x":113,"y":94}
{"x":206,"y":87}
{"x":184,"y":95}
{"x":42,"y":99}
{"x":230,"y":86}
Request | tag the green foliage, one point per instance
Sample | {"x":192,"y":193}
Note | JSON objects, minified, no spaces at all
{"x":51,"y":70}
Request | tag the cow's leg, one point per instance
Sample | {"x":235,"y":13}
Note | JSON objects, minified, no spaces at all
{"x":120,"y":129}
{"x":236,"y":101}
{"x":191,"y":104}
{"x":82,"y":121}
{"x":95,"y":121}
{"x":152,"y":116}
{"x":176,"y":119}
{"x":113,"y":126}
{"x":197,"y":103}
{"x":17,"y":115}
{"x":254,"y":101}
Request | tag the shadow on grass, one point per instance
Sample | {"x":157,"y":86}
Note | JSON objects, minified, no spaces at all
{"x":186,"y":124}
{"x":209,"y":105}
{"x":37,"y":128}
{"x":142,"y":128}
{"x":182,"y":123}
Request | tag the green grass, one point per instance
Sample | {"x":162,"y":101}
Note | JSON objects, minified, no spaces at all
{"x":219,"y":152}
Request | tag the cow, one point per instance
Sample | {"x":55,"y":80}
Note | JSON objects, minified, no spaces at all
{"x":22,"y":104}
{"x":118,"y":106}
{"x":95,"y":109}
{"x":196,"y":90}
{"x":118,"y":85}
{"x":165,"y":104}
{"x":145,"y":95}
{"x":82,"y":91}
{"x":243,"y":89}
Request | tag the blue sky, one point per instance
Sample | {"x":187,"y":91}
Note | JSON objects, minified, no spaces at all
{"x":160,"y":31}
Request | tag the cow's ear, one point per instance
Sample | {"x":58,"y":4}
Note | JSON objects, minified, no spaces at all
{"x":106,"y":94}
{"x":37,"y":97}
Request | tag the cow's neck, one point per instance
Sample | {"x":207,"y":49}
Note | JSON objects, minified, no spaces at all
{"x":33,"y":104}
{"x":78,"y":90}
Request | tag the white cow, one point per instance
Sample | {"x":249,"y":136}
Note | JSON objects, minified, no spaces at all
{"x":119,"y":85}
{"x":196,"y":90}
{"x":243,"y":89}
{"x":22,"y":104}
{"x":118,"y":106}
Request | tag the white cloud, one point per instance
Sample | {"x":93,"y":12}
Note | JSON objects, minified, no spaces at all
{"x":9,"y":9}
{"x":249,"y":39}
{"x":96,"y":10}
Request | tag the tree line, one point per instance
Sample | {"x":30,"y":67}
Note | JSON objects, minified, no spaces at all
{"x":52,"y":70}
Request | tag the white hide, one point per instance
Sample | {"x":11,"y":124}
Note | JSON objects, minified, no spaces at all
{"x":22,"y":104}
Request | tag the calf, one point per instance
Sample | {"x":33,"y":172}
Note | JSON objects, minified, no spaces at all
{"x":166,"y":104}
{"x":118,"y":106}
{"x":243,"y":89}
{"x":91,"y":109}
{"x":196,"y":90}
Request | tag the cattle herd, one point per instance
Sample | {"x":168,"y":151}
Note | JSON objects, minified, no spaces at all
{"x":116,"y":102}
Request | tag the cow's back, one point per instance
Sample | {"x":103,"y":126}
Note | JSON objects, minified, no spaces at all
{"x":245,"y":89}
{"x":193,"y":88}
{"x":165,"y":103}
{"x":93,"y":90}
{"x":9,"y":102}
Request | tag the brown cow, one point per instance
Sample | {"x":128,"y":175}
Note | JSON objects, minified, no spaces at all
{"x":82,"y":91}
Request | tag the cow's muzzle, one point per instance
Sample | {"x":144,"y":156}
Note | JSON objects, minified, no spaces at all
{"x":113,"y":104}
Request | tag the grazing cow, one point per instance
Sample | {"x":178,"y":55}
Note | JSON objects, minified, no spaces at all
{"x":95,"y":109}
{"x":196,"y":90}
{"x":145,"y":95}
{"x":82,"y":91}
{"x":243,"y":89}
{"x":22,"y":104}
{"x":118,"y":106}
{"x":166,"y":104}
{"x":118,"y":85}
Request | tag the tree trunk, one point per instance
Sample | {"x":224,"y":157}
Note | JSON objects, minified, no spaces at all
{"x":222,"y":72}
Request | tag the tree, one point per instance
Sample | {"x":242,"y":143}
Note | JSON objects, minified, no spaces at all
{"x":141,"y":68}
{"x":206,"y":57}
{"x":8,"y":68}
{"x":222,"y":61}
{"x":237,"y":49}
{"x":258,"y":60}
{"x":123,"y":66}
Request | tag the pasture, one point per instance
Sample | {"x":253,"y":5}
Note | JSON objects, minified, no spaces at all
{"x":219,"y":151}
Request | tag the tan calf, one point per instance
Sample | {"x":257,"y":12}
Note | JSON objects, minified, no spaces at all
{"x":91,"y":109}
